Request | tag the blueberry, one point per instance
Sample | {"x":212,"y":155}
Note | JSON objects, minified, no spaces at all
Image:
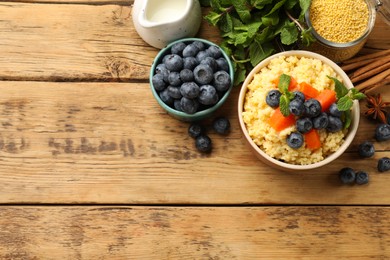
{"x":299,"y":95}
{"x":222,"y":64}
{"x":201,"y":56}
{"x":382,"y":132}
{"x":203,"y":74}
{"x":312,"y":107}
{"x":221,"y":125}
{"x":178,"y":48}
{"x":384,"y":164}
{"x":186,"y":75}
{"x":203,"y":143}
{"x":195,"y":130}
{"x":190,"y":63}
{"x":158,"y":82}
{"x":189,"y":90}
{"x":208,"y":95}
{"x":334,"y":111}
{"x":347,"y":175}
{"x":165,"y":97}
{"x":177,"y":104}
{"x":214,"y":51}
{"x":273,"y":97}
{"x":189,"y":106}
{"x":211,"y":62}
{"x":161,"y":69}
{"x":222,"y":81}
{"x":366,"y":149}
{"x":295,"y":140}
{"x":335,"y":124}
{"x":296,"y":107}
{"x":190,"y":50}
{"x":361,"y":177}
{"x":174,"y":62}
{"x":174,"y":92}
{"x":321,"y":121}
{"x":304,"y":125}
{"x":200,"y":45}
{"x":174,"y":78}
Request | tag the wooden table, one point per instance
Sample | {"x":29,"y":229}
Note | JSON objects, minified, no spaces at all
{"x":92,"y":168}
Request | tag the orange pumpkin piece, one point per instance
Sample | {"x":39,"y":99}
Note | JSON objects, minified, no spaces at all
{"x":326,"y":98}
{"x":312,"y":139}
{"x":279,"y":122}
{"x":308,"y":90}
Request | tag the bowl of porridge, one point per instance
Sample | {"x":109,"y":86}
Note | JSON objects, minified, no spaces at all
{"x":289,"y":113}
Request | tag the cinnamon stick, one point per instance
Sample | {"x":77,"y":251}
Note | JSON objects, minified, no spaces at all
{"x":377,"y":85}
{"x":373,"y":80}
{"x":358,"y":64}
{"x":370,"y":73}
{"x":371,"y":66}
{"x":368,"y":56}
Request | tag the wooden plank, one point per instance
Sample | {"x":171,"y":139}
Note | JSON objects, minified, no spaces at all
{"x":112,"y":143}
{"x":55,"y":42}
{"x":194,"y":233}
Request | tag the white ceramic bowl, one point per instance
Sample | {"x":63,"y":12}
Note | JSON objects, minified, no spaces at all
{"x":287,"y":166}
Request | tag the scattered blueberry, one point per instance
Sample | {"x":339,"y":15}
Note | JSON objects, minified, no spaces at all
{"x":384,"y":164}
{"x":222,"y":81}
{"x":362,"y":177}
{"x":211,"y":62}
{"x":382,"y":132}
{"x":195,"y":130}
{"x":174,"y":62}
{"x":190,"y":50}
{"x":165,"y":97}
{"x":273,"y":97}
{"x":347,"y":175}
{"x":190,"y":63}
{"x":222,"y":64}
{"x":334,"y":111}
{"x":221,"y":125}
{"x":203,"y":74}
{"x":189,"y":106}
{"x":186,"y":75}
{"x":208,"y":95}
{"x":366,"y":149}
{"x":158,"y":82}
{"x":304,"y":125}
{"x":321,"y":121}
{"x":214,"y":51}
{"x":296,"y":107}
{"x":312,"y":107}
{"x":189,"y":90}
{"x":174,"y":92}
{"x":174,"y":78}
{"x":178,"y":48}
{"x":203,"y":143}
{"x":295,"y":140}
{"x":335,"y":124}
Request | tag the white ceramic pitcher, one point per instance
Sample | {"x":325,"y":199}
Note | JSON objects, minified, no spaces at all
{"x":160,"y":22}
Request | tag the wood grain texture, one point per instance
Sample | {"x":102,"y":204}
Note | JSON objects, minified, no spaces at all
{"x":112,"y":143}
{"x":73,"y":42}
{"x":194,"y":233}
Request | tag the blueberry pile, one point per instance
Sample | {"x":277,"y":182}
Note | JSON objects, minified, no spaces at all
{"x":192,"y":77}
{"x":203,"y":143}
{"x":309,"y":115}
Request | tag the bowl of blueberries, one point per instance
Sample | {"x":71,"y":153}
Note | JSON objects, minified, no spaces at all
{"x":191,"y":78}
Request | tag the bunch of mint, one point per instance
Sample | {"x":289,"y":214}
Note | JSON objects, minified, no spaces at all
{"x":251,"y":28}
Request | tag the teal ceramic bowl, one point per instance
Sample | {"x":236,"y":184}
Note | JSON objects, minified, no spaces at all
{"x":199,"y":115}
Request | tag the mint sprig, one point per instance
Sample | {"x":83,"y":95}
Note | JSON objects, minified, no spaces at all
{"x":345,"y":98}
{"x":287,"y":96}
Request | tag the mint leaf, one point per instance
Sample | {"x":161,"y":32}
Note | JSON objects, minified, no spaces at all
{"x":356,"y":94}
{"x":290,"y":4}
{"x":226,"y":23}
{"x":304,"y":4}
{"x":307,"y":37}
{"x":345,"y":103}
{"x":347,"y":118}
{"x":213,"y":18}
{"x":284,"y":82}
{"x":341,"y":90}
{"x":283,"y":104}
{"x":257,"y":52}
{"x":242,"y":10}
{"x":289,"y":34}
